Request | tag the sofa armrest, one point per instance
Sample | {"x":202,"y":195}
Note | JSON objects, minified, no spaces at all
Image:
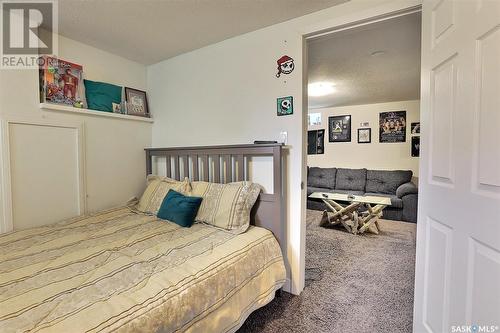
{"x":405,"y":189}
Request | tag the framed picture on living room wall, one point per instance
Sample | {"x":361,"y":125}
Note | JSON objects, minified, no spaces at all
{"x":339,"y":128}
{"x":364,"y":135}
{"x":415,"y":146}
{"x":392,"y":126}
{"x":314,"y":119}
{"x":316,"y":142}
{"x":415,"y":128}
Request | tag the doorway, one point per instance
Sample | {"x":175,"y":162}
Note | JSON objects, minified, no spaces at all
{"x":363,"y":134}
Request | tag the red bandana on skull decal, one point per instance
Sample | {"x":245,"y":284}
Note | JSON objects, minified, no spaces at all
{"x":285,"y":65}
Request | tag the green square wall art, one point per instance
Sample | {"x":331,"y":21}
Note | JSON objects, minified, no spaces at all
{"x":285,"y":106}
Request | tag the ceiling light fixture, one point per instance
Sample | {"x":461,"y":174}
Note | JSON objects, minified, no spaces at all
{"x":317,"y":89}
{"x":377,"y":53}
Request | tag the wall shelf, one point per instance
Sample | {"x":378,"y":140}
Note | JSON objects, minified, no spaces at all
{"x":70,"y":109}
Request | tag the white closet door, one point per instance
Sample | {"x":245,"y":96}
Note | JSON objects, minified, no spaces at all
{"x":46,"y":173}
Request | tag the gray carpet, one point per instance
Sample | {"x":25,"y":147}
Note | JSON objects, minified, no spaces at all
{"x":360,"y":283}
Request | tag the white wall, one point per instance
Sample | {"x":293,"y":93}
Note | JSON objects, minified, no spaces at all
{"x":103,"y":66}
{"x":226,"y":93}
{"x":113,"y":156}
{"x":374,"y":155}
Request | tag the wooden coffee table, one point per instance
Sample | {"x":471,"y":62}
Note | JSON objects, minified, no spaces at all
{"x":348,"y":216}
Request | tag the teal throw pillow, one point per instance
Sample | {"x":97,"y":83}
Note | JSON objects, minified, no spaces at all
{"x":101,"y":96}
{"x":179,"y":208}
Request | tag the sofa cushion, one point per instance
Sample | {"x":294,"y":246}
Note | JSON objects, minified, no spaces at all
{"x":321,"y":177}
{"x":381,"y":181}
{"x":406,"y":189}
{"x":351,"y":179}
{"x":395,"y":201}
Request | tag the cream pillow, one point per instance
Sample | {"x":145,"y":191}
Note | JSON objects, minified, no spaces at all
{"x":157,"y":190}
{"x":226,"y":206}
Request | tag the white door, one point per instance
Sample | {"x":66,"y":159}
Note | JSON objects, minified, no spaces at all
{"x":457,"y":283}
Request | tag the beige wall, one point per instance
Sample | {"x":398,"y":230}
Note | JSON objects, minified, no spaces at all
{"x":226,"y":93}
{"x":374,"y":155}
{"x":112,"y":157}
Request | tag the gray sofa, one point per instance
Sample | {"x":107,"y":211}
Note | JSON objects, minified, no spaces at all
{"x":395,"y":185}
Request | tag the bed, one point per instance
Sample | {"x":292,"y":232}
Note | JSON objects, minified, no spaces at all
{"x":121,"y":270}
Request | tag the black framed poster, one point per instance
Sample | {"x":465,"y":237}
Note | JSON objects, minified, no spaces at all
{"x":415,"y":146}
{"x":364,"y":135}
{"x":339,"y":128}
{"x":316,"y":142}
{"x":415,"y":128}
{"x":392,"y":126}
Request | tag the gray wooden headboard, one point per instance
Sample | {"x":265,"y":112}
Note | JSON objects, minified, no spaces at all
{"x":225,"y":164}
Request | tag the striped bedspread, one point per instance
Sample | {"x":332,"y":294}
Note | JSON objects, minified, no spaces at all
{"x":122,"y":271}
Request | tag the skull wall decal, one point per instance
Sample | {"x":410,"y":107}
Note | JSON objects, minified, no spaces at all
{"x":285,"y":65}
{"x":285,"y":106}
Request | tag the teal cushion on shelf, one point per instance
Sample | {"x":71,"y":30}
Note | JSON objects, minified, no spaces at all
{"x":178,"y":208}
{"x":101,"y":96}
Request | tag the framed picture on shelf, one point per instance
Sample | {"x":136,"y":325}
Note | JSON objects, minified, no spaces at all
{"x":316,"y":142}
{"x":392,"y":126}
{"x":364,"y":135}
{"x":136,"y":101}
{"x":339,"y":128}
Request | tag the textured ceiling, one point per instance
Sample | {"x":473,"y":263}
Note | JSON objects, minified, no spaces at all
{"x":148,"y":31}
{"x":345,"y":59}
